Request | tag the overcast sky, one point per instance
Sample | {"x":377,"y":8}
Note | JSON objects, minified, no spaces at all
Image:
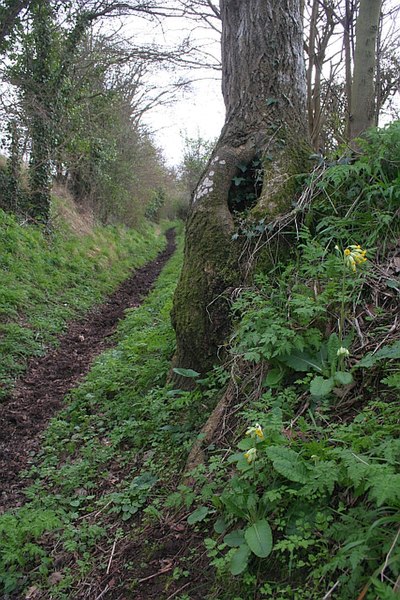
{"x":199,"y":110}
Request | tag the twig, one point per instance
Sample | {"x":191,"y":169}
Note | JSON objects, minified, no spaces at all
{"x":111,"y":556}
{"x":177,"y":591}
{"x":389,"y":553}
{"x":329,"y":592}
{"x":391,"y":330}
{"x":103,"y":592}
{"x":161,"y":572}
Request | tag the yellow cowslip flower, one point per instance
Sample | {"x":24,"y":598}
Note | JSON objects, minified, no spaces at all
{"x":255,"y":431}
{"x":250,"y":455}
{"x":354,"y":255}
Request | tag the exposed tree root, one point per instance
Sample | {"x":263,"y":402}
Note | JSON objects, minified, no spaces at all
{"x":196,"y":456}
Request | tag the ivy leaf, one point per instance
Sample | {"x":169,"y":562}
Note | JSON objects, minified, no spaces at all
{"x":186,"y":372}
{"x":321,"y":387}
{"x":198,"y":515}
{"x":240,"y":559}
{"x":259,"y":538}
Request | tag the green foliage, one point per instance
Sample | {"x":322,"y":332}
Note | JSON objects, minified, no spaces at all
{"x":19,"y":534}
{"x":322,"y":479}
{"x":46,"y":281}
{"x":104,"y":454}
{"x":196,"y":154}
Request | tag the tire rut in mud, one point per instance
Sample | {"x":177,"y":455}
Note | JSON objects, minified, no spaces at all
{"x":39,"y":394}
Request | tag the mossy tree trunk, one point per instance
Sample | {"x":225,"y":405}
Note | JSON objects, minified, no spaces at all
{"x":264,"y":88}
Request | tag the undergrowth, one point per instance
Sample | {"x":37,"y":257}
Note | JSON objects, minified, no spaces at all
{"x":49,"y":279}
{"x":309,"y":505}
{"x":299,"y":496}
{"x":98,"y":462}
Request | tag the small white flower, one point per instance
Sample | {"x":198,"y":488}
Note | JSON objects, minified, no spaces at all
{"x":343,"y":352}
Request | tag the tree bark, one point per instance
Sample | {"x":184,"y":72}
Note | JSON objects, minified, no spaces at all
{"x":264,"y":88}
{"x":363,"y":87}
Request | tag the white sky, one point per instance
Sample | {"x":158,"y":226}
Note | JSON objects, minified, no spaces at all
{"x":199,"y":111}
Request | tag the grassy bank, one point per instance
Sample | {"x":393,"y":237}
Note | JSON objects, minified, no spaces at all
{"x":97,"y":466}
{"x":49,"y":279}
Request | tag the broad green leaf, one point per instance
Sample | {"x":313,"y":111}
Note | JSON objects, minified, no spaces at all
{"x":240,"y":559}
{"x":259,"y":538}
{"x":186,"y":372}
{"x":273,"y":378}
{"x":220,"y":525}
{"x":302,"y":361}
{"x":245,"y":443}
{"x":394,"y":284}
{"x":343,"y":378}
{"x":387,"y":352}
{"x":198,"y":515}
{"x":321,"y":387}
{"x":333,"y":346}
{"x":234,"y":539}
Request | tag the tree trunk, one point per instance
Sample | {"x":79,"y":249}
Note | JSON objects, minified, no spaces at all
{"x":363,"y":88}
{"x":264,"y":88}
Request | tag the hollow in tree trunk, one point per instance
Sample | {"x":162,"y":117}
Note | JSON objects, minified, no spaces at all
{"x":264,"y":88}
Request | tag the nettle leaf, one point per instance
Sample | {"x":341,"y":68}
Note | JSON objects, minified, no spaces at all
{"x":198,"y":515}
{"x":343,"y":378}
{"x":186,"y":372}
{"x":234,"y":539}
{"x":240,"y":560}
{"x":259,"y":538}
{"x":387,"y":352}
{"x":321,"y":387}
{"x":288,"y":463}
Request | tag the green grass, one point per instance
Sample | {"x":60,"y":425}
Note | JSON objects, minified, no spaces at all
{"x":47,"y":280}
{"x":100,"y":454}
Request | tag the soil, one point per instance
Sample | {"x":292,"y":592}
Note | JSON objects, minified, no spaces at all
{"x":39,"y":394}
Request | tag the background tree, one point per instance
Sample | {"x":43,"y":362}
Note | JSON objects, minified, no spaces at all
{"x":196,"y":154}
{"x":265,"y":125}
{"x":363,"y":96}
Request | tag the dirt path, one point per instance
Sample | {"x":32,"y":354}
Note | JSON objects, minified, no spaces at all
{"x":39,"y":394}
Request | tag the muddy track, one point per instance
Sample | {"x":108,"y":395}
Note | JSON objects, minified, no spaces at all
{"x":39,"y":394}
